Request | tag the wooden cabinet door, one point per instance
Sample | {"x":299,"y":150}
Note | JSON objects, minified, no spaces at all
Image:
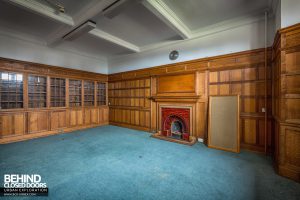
{"x":94,"y":116}
{"x":58,"y":119}
{"x":37,"y":121}
{"x":76,"y":117}
{"x":87,"y":116}
{"x":12,"y":124}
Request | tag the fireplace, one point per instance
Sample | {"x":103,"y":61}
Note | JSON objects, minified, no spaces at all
{"x":175,"y":122}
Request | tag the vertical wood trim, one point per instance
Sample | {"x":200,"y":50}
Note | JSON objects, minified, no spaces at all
{"x":106,"y":94}
{"x":67,"y":93}
{"x":95,"y":93}
{"x":266,"y":100}
{"x":25,"y":91}
{"x":82,"y":93}
{"x":48,"y":90}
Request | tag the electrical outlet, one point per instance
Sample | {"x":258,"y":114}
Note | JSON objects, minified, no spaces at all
{"x":263,"y":110}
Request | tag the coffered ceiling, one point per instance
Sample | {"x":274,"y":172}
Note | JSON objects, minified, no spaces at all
{"x":136,"y":26}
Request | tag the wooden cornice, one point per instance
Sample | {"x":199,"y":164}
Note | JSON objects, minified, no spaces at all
{"x":233,"y":60}
{"x":289,"y":28}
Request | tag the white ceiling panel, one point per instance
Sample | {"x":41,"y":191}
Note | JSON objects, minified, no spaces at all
{"x":201,"y":13}
{"x":20,"y":20}
{"x":137,"y":25}
{"x":71,"y":6}
{"x":93,"y":46}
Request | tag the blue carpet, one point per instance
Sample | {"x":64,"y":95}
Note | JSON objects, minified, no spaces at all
{"x":117,"y":163}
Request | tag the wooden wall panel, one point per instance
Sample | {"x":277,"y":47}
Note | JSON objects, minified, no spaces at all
{"x":130,"y":103}
{"x":37,"y":121}
{"x":7,"y":125}
{"x":247,"y":83}
{"x":58,"y":119}
{"x":249,"y":131}
{"x":77,"y":116}
{"x":286,"y":101}
{"x":292,"y":109}
{"x":12,"y":124}
{"x":176,"y":84}
{"x":87,"y":116}
{"x":292,"y":143}
{"x":241,"y":73}
{"x":19,"y":125}
{"x":94,"y":116}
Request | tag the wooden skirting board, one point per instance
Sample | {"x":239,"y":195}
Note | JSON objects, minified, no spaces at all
{"x":130,"y":126}
{"x":19,"y":138}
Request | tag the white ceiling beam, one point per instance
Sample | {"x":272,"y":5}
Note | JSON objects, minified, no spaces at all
{"x":91,"y":10}
{"x":162,"y":11}
{"x":44,"y":10}
{"x":113,"y":39}
{"x":84,"y":14}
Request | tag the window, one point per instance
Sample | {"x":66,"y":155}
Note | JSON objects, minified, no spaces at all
{"x":37,"y":91}
{"x":101,"y":94}
{"x":11,"y":90}
{"x":58,"y":92}
{"x":89,"y":93}
{"x":75,"y":93}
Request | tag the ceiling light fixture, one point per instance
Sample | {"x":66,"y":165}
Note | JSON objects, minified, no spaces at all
{"x":80,"y":30}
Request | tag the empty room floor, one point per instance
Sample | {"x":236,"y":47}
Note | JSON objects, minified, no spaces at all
{"x":110,"y":162}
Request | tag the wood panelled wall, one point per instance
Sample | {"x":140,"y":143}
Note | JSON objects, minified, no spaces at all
{"x":286,"y":101}
{"x":129,"y":102}
{"x":249,"y":83}
{"x":26,"y":123}
{"x":239,"y":73}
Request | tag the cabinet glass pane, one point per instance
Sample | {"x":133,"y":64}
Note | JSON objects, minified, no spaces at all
{"x":58,"y":92}
{"x":11,"y":90}
{"x":37,"y":91}
{"x":101,"y":94}
{"x":75,"y":93}
{"x":89,"y":93}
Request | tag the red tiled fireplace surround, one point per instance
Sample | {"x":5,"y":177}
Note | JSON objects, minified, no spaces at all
{"x":175,"y":122}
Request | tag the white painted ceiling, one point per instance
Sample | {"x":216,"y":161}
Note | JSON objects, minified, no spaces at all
{"x":137,"y":25}
{"x":72,"y":6}
{"x":200,"y":13}
{"x":22,"y":21}
{"x":142,"y":25}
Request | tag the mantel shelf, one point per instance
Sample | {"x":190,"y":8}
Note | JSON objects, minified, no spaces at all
{"x":194,"y":98}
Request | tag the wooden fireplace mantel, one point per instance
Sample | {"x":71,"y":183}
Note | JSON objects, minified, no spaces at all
{"x":190,"y":99}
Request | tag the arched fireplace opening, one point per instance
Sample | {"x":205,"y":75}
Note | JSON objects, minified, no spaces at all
{"x":177,"y":129}
{"x":175,"y":123}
